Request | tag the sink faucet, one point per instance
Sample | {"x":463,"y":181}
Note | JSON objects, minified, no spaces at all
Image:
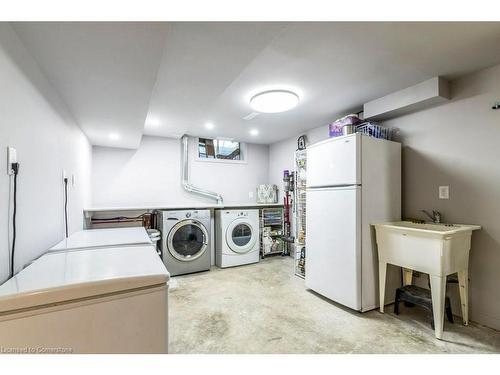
{"x":435,"y":217}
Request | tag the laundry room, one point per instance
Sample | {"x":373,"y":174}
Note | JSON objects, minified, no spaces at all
{"x":274,"y":186}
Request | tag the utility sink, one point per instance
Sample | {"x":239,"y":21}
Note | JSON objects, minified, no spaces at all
{"x":430,"y":228}
{"x":436,"y":249}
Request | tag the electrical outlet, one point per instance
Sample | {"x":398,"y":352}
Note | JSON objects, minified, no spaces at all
{"x":64,"y":175}
{"x":73,"y":180}
{"x":444,"y":192}
{"x":11,"y":159}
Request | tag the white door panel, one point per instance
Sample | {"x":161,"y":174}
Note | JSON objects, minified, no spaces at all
{"x":335,"y":162}
{"x":333,"y":252}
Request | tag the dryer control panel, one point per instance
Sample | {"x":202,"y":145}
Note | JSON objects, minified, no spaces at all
{"x":239,"y":214}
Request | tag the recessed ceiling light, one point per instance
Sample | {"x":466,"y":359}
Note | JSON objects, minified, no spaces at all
{"x":274,"y":101}
{"x":114,"y":136}
{"x":254,"y":132}
{"x":152,"y":122}
{"x":209,"y":126}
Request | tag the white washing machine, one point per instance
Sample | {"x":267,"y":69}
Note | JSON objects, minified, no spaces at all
{"x":237,"y":237}
{"x":185,"y":243}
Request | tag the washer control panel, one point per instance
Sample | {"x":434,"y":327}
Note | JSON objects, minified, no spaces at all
{"x":181,"y":215}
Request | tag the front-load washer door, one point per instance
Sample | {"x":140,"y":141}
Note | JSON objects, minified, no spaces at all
{"x":187,"y":240}
{"x":241,"y":236}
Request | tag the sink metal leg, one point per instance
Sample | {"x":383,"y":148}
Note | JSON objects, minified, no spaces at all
{"x":407,"y":276}
{"x":463,"y":283}
{"x":438,"y":293}
{"x":382,"y":270}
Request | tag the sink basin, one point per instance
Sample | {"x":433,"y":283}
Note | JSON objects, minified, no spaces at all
{"x":429,"y":228}
{"x":436,"y":249}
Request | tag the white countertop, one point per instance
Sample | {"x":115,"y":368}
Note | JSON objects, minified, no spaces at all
{"x":103,"y":238}
{"x":65,"y":276}
{"x":182,"y":206}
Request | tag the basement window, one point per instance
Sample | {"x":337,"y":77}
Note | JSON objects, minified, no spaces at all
{"x":221,"y":150}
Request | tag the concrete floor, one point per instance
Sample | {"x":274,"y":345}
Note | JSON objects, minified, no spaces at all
{"x":264,"y":308}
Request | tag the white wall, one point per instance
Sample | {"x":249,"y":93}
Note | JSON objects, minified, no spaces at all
{"x":151,"y":175}
{"x":281,"y":154}
{"x":457,"y":144}
{"x":35,"y":122}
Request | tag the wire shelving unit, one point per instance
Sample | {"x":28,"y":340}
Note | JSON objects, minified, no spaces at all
{"x":300,"y":212}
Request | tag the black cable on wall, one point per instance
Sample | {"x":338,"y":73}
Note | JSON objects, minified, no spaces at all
{"x":66,"y":205}
{"x":15,"y":169}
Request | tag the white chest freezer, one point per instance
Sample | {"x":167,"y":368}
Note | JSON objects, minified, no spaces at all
{"x":88,"y":301}
{"x":109,"y":237}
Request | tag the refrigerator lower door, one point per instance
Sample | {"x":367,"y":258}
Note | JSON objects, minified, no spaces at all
{"x":333,"y":255}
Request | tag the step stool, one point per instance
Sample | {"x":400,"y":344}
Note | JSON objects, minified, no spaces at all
{"x":416,"y":295}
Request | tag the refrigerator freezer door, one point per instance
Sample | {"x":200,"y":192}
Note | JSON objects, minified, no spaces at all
{"x":333,"y":256}
{"x":335,"y":162}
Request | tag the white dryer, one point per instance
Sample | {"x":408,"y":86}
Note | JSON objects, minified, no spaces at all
{"x":237,"y":237}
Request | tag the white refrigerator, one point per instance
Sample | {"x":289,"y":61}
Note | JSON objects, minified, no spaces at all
{"x":352,"y":182}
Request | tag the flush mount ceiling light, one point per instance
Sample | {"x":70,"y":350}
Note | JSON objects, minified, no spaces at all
{"x":254,"y":132}
{"x":209,"y":125}
{"x":274,"y":101}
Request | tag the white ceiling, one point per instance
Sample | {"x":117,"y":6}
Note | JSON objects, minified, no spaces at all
{"x":187,"y":74}
{"x":105,"y":72}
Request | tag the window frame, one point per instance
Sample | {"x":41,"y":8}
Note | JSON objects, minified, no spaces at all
{"x":243,"y":153}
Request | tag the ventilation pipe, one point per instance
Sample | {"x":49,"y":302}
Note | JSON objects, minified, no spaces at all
{"x":185,"y":175}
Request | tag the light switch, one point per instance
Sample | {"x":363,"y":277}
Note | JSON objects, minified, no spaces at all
{"x":250,"y":194}
{"x":444,"y":192}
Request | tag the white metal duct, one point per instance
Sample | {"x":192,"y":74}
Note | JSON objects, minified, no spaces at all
{"x":185,"y":175}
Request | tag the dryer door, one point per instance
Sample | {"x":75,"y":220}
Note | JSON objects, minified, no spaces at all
{"x":241,"y":236}
{"x":187,"y":240}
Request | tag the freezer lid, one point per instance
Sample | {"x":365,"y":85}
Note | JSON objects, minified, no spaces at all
{"x":335,"y":162}
{"x":72,"y":275}
{"x":104,"y":237}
